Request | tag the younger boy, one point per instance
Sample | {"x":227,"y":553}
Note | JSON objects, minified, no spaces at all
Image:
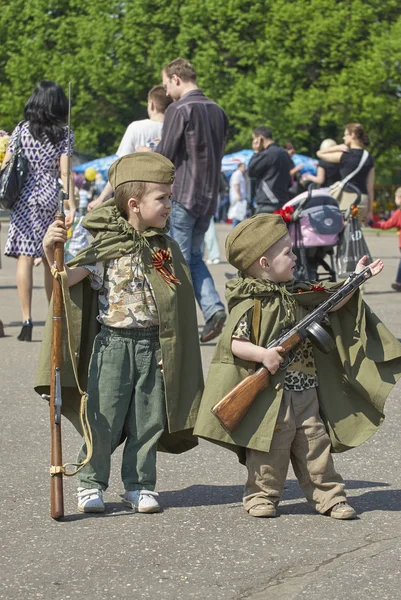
{"x":314,"y":395}
{"x":137,"y":384}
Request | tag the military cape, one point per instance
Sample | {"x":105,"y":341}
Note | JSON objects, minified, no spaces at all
{"x":354,"y":379}
{"x":182,"y":367}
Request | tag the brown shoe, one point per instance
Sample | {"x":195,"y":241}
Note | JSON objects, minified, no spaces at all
{"x":342,"y":511}
{"x":265,"y":509}
{"x":396,"y":286}
{"x":213,"y":326}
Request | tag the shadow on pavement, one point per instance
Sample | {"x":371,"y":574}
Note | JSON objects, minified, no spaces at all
{"x":383,"y":500}
{"x":113,"y":509}
{"x":202,"y":495}
{"x":292,"y":491}
{"x":207,"y":495}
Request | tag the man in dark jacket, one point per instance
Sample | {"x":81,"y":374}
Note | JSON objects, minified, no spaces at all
{"x":270,"y":166}
{"x":194,"y":135}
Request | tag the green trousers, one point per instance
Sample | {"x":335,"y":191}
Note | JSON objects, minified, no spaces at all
{"x":125,"y":399}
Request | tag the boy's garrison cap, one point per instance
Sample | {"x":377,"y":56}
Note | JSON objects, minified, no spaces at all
{"x":141,"y":166}
{"x":252,"y":237}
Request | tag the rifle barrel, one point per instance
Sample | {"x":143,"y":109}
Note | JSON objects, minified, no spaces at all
{"x":56,"y":479}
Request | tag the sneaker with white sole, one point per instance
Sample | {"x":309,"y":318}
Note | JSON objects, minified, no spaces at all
{"x":142,"y":501}
{"x":90,"y":500}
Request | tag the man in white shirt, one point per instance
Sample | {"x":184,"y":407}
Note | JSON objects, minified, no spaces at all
{"x":238,"y":203}
{"x":140,"y":133}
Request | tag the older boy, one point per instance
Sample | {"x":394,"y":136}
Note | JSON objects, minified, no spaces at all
{"x":146,"y":309}
{"x":341,"y":394}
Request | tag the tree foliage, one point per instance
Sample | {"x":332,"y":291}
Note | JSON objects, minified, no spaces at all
{"x":304,"y":67}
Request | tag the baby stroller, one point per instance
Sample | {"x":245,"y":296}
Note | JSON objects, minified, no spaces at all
{"x":315,"y":222}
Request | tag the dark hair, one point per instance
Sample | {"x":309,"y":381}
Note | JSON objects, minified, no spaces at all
{"x":125,"y":191}
{"x":265,"y":132}
{"x":289,"y":146}
{"x":47,"y":112}
{"x":359,"y":132}
{"x":158,"y":96}
{"x":182,"y":68}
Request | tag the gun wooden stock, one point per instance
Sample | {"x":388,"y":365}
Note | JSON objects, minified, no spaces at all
{"x":56,"y":480}
{"x":233,"y":407}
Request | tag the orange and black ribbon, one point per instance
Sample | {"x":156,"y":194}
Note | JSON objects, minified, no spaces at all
{"x":161,"y":262}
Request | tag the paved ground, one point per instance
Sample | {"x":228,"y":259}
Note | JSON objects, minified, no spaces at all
{"x":203,"y":545}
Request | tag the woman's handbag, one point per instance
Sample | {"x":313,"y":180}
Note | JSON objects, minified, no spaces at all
{"x":13,"y":176}
{"x":351,"y":248}
{"x":337,"y":188}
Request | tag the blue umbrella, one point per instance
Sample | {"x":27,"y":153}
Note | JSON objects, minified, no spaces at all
{"x":230,"y":162}
{"x":101,"y":165}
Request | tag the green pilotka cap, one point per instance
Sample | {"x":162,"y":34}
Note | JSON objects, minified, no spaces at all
{"x":252,"y":237}
{"x":141,"y":166}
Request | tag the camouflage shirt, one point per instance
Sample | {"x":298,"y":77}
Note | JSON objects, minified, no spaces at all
{"x":125,"y":295}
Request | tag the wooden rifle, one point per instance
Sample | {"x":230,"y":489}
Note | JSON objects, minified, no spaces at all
{"x":56,"y":469}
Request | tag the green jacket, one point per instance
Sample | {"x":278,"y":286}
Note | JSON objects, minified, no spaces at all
{"x":179,"y":340}
{"x":354,"y":379}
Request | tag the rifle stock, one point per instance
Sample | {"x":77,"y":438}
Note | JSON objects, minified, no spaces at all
{"x":233,"y":407}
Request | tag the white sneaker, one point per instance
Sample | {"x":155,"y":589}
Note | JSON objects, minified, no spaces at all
{"x":143,"y":501}
{"x":90,"y":500}
{"x":215,"y":261}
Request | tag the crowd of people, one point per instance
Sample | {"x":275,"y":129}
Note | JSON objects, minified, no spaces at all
{"x":136,"y":282}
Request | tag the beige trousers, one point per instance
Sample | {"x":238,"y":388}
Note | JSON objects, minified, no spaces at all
{"x":300,"y":436}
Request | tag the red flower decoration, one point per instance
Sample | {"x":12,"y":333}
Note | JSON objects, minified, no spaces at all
{"x":317,"y":288}
{"x":285,"y":213}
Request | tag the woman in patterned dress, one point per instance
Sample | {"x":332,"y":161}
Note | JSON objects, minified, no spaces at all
{"x":43,"y":139}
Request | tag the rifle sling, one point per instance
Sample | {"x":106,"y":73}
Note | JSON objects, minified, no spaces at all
{"x":255,"y":330}
{"x":61,"y":276}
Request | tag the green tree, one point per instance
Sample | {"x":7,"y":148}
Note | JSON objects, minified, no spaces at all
{"x":304,"y":67}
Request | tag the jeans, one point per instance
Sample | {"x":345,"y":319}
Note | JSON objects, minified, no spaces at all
{"x":189,"y":232}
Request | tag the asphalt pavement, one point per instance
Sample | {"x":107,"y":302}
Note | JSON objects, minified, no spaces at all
{"x":203,"y":546}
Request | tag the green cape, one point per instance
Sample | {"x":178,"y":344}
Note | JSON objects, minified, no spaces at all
{"x":179,"y":340}
{"x":354,"y":379}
